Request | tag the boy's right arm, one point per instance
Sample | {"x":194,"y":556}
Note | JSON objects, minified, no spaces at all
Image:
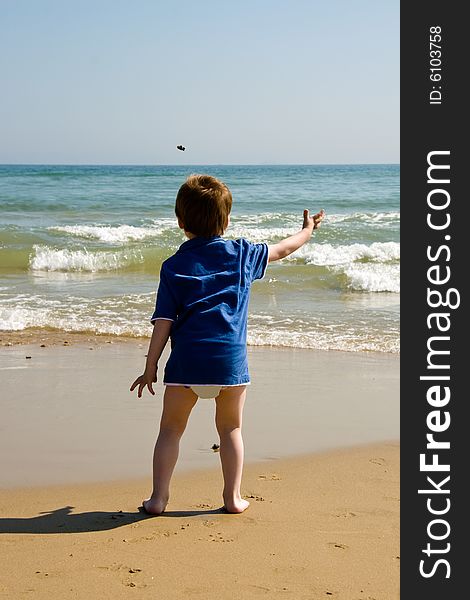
{"x":294,"y":242}
{"x":160,"y":335}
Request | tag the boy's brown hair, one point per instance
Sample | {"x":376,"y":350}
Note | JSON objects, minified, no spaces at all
{"x":203,"y":204}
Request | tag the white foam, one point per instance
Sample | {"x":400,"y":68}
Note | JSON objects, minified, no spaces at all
{"x":291,"y":219}
{"x":117,"y":234}
{"x":324,"y":339}
{"x":53,"y":259}
{"x":17,"y":318}
{"x":77,"y":318}
{"x":374,"y":277}
{"x":104,"y":315}
{"x":259,"y":234}
{"x":256,"y":228}
{"x":128,"y":315}
{"x":259,"y":218}
{"x":329,"y":255}
{"x":375,"y":218}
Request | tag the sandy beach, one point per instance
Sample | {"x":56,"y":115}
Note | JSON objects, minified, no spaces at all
{"x":68,"y":415}
{"x":320,"y":526}
{"x":322,"y":453}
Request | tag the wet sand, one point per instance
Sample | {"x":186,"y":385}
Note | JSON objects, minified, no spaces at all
{"x":68,"y":415}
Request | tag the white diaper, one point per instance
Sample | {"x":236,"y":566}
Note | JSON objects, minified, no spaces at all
{"x":207,"y":391}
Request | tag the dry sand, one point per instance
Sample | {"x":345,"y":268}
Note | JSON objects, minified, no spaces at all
{"x":318,"y":527}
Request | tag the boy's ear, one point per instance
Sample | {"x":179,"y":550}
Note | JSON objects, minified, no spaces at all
{"x":180,"y":223}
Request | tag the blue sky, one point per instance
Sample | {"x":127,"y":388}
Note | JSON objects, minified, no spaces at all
{"x":119,"y":82}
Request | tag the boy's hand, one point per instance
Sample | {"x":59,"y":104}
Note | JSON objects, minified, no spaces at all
{"x":145,"y":380}
{"x":294,"y":242}
{"x":313,"y":222}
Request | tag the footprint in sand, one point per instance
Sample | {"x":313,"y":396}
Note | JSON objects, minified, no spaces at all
{"x":145,"y":538}
{"x":378,"y":461}
{"x":255,"y":496}
{"x":151,"y":536}
{"x":335,"y":545}
{"x":208,"y":523}
{"x":132,"y":584}
{"x":119,"y":567}
{"x":260,"y":587}
{"x":346,"y":515}
{"x":219,"y":538}
{"x":273,"y":477}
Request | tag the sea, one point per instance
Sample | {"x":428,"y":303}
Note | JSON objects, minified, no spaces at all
{"x":81,"y":249}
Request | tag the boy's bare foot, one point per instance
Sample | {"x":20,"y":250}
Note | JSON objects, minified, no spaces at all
{"x":154,"y":506}
{"x":236,"y":506}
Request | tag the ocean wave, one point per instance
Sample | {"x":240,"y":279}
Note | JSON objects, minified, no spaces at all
{"x":373,"y":218}
{"x":118,"y":233}
{"x":352,"y":342}
{"x":373,"y":268}
{"x":259,"y":234}
{"x":264,"y":217}
{"x":53,"y":259}
{"x":282,"y":222}
{"x":324,"y":334}
{"x":107,"y":322}
{"x":257,"y":228}
{"x":374,"y":277}
{"x":128,"y":315}
{"x":291,"y":219}
{"x":329,"y":255}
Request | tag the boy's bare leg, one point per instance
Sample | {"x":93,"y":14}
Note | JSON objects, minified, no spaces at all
{"x":178,"y":402}
{"x":228,"y":420}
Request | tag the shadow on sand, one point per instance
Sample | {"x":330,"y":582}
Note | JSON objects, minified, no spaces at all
{"x":62,"y":520}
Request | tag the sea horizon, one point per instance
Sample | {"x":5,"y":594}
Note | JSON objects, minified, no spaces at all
{"x":261,"y":164}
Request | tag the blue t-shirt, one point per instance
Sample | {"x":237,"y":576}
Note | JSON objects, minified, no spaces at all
{"x":204,"y":289}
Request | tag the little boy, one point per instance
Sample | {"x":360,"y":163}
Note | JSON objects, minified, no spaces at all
{"x":202,"y":304}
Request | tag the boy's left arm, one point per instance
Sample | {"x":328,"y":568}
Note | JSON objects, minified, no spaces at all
{"x":160,"y":335}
